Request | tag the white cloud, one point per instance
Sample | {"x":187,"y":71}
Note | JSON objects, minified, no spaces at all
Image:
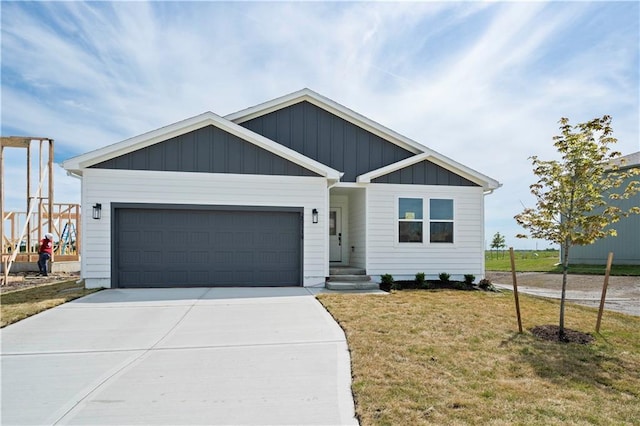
{"x":483,"y":83}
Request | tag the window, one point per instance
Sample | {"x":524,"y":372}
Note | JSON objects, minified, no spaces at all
{"x":410,"y":220}
{"x":440,"y":221}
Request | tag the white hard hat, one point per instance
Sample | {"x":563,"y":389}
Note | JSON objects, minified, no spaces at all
{"x":48,"y":236}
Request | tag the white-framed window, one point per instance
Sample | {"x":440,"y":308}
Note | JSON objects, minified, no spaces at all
{"x":410,"y":220}
{"x":440,"y":220}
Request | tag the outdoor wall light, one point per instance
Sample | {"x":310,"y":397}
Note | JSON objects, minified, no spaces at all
{"x":314,"y":215}
{"x":97,"y":211}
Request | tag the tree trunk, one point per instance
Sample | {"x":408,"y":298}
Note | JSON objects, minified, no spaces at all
{"x":565,"y":268}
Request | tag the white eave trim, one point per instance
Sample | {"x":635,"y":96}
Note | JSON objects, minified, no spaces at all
{"x":185,"y":126}
{"x":485,"y":181}
{"x":332,"y":107}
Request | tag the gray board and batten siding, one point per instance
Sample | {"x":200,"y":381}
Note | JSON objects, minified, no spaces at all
{"x":424,"y":173}
{"x":206,"y":150}
{"x":341,"y":145}
{"x":302,"y":127}
{"x":205,"y":246}
{"x":328,"y":139}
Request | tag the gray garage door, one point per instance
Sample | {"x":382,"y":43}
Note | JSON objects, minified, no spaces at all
{"x":189,"y":247}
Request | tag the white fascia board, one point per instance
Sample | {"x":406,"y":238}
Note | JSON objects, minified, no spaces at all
{"x":474,"y":176}
{"x":368,"y":177}
{"x":485,"y":181}
{"x":334,"y":108}
{"x":208,"y":118}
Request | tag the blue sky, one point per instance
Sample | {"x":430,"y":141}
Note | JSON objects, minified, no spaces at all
{"x":482,"y":83}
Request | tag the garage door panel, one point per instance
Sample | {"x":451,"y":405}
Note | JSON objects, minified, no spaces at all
{"x":199,"y":277}
{"x":199,"y":239}
{"x":198,"y":257}
{"x":176,"y":257}
{"x":183,"y":247}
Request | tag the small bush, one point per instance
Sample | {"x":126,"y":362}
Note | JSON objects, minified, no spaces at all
{"x":469,"y":279}
{"x":486,"y":285}
{"x":420,"y":279}
{"x":444,"y":277}
{"x":386,"y":282}
{"x":386,"y":279}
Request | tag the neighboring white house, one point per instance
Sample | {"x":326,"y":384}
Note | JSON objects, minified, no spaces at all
{"x":272,"y":196}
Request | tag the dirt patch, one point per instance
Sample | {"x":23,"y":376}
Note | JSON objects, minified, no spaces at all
{"x":552,"y":333}
{"x":623,"y":292}
{"x":25,"y":280}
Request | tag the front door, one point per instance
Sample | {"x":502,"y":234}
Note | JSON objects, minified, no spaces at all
{"x":335,"y":234}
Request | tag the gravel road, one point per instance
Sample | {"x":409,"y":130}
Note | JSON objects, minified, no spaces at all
{"x":623,"y":293}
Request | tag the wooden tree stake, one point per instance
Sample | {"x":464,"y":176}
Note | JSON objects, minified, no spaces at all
{"x":604,"y":290}
{"x":515,"y":287}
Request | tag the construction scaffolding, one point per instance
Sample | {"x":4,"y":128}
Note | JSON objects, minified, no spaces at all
{"x":22,"y":231}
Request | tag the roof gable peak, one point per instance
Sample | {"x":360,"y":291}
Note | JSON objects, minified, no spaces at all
{"x":332,"y":107}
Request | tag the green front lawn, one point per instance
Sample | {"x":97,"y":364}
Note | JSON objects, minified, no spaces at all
{"x":548,"y":261}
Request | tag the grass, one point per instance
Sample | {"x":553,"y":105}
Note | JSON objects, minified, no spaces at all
{"x":547,"y":261}
{"x":20,"y":304}
{"x":621,"y":270}
{"x":452,"y":357}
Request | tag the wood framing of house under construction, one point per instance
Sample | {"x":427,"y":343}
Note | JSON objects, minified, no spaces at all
{"x":21,"y":231}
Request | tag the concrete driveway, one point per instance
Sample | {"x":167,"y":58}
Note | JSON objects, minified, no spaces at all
{"x":179,"y":356}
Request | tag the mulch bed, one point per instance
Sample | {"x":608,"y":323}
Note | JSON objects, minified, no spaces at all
{"x":552,"y":333}
{"x":433,"y":285}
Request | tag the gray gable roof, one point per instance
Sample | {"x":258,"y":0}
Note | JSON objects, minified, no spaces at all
{"x":328,"y":139}
{"x":119,"y":150}
{"x":411,"y":152}
{"x":208,"y":150}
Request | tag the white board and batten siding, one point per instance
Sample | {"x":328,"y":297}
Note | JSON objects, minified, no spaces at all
{"x":134,"y":186}
{"x":385,"y":255}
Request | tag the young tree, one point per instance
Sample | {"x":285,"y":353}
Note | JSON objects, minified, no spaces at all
{"x":498,"y":241}
{"x":574,"y":194}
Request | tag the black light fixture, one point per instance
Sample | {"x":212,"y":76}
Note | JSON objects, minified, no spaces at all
{"x":97,"y":211}
{"x":314,"y":215}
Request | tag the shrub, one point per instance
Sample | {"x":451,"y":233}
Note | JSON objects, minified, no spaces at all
{"x":420,"y":279}
{"x":444,"y":277}
{"x":386,"y":279}
{"x":486,"y":285}
{"x":386,"y":282}
{"x":469,"y":279}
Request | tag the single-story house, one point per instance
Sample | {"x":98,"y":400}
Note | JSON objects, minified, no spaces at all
{"x":274,"y":195}
{"x":626,"y":245}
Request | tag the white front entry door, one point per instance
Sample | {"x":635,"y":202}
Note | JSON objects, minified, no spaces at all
{"x":335,"y":234}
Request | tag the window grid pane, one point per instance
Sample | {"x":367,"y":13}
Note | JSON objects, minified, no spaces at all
{"x":410,"y":208}
{"x":440,"y":209}
{"x":410,"y":232}
{"x":441,"y":232}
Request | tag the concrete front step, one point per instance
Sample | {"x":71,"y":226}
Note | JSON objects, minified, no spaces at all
{"x":346,"y":270}
{"x":349,"y":278}
{"x":352,"y":285}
